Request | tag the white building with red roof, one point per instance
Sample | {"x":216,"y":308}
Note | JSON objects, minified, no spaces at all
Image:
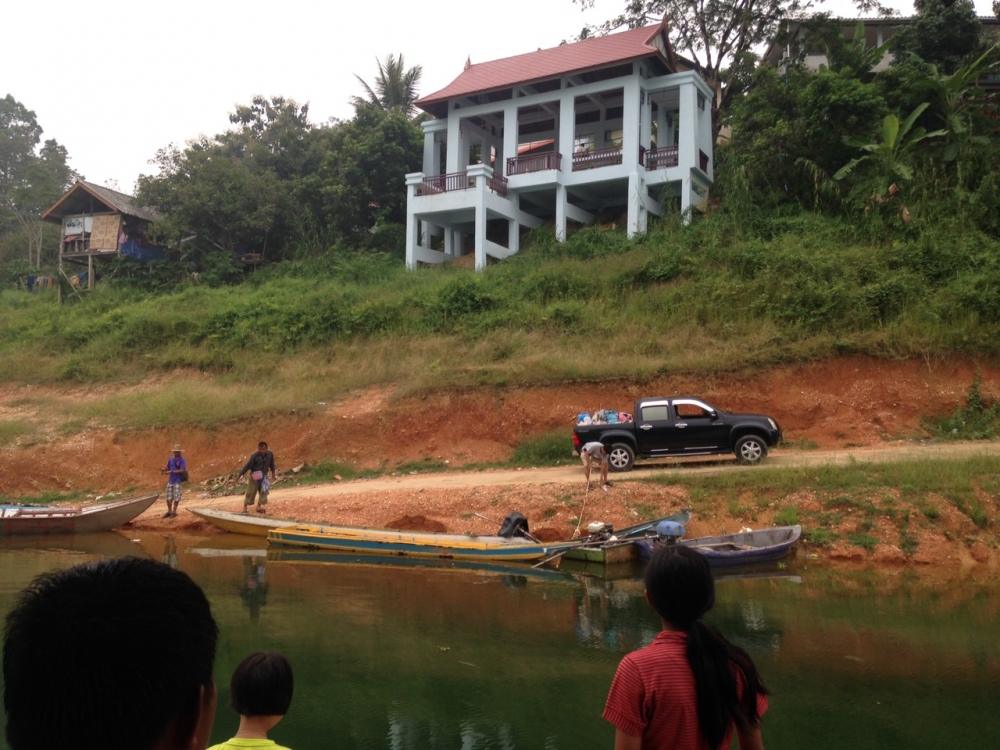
{"x":612,"y":124}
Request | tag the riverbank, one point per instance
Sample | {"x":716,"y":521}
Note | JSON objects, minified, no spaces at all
{"x":924,"y":511}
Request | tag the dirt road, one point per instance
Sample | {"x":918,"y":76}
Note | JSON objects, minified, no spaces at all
{"x":573,"y":475}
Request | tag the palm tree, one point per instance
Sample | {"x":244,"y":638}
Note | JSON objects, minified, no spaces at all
{"x":395,"y":87}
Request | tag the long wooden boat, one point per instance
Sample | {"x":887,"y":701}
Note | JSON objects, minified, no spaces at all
{"x":744,"y":548}
{"x":622,"y":549}
{"x":414,"y":543}
{"x":243,"y":523}
{"x":16,"y":520}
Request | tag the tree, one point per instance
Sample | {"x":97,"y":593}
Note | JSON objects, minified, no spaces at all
{"x":944,"y":33}
{"x":717,"y":36}
{"x":395,"y":87}
{"x":30,"y":178}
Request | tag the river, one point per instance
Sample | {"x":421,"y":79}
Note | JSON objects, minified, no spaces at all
{"x":403,"y":656}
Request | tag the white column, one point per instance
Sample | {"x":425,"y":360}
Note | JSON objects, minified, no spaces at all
{"x":687,"y":204}
{"x":456,"y":144}
{"x":630,"y":122}
{"x":567,"y":129}
{"x":645,"y":120}
{"x":509,"y":135}
{"x":412,"y":180}
{"x":661,"y":127}
{"x":561,"y":211}
{"x":429,"y":161}
{"x":634,"y":204}
{"x":513,"y":226}
{"x":481,"y":173}
{"x":687,"y":127}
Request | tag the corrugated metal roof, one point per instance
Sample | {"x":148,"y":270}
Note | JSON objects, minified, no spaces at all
{"x":115,"y":200}
{"x":548,"y":63}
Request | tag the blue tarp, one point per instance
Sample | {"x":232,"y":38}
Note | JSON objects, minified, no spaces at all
{"x":138,"y":251}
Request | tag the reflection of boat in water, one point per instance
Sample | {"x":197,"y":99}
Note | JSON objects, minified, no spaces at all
{"x":325,"y":557}
{"x":98,"y":544}
{"x":415,"y":543}
{"x":242,"y":523}
{"x":744,"y":548}
{"x":32,"y":519}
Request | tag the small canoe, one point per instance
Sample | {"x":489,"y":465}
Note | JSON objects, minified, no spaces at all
{"x":744,"y":548}
{"x":414,"y":543}
{"x":243,"y":523}
{"x":16,"y":520}
{"x":622,"y":549}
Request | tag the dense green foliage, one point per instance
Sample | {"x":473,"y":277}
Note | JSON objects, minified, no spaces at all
{"x":32,"y":175}
{"x":718,"y":293}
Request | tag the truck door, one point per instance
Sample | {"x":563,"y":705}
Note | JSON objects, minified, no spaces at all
{"x":696,"y":429}
{"x":653,"y":427}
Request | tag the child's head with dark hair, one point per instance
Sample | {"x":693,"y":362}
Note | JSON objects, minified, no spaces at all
{"x":679,"y":585}
{"x":262,"y":685}
{"x":112,"y":654}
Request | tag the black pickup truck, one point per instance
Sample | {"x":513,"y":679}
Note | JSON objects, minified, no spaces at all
{"x":679,"y":426}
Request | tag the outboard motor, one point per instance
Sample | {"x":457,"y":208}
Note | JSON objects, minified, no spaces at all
{"x":515,"y":524}
{"x":600,"y":529}
{"x":668,"y":532}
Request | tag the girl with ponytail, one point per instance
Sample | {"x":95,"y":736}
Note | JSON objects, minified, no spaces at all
{"x":690,"y":688}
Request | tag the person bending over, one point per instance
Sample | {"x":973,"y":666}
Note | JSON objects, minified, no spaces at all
{"x":260,"y":692}
{"x":112,"y":655}
{"x":591,"y":453}
{"x":690,"y":688}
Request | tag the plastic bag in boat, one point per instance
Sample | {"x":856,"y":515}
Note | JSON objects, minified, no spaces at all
{"x":515,"y":524}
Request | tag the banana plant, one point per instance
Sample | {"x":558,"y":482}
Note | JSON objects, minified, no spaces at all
{"x":890,"y":159}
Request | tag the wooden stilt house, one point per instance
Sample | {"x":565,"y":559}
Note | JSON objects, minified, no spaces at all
{"x":99,"y":223}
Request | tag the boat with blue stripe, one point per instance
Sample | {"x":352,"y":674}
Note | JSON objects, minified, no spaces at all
{"x":415,"y":543}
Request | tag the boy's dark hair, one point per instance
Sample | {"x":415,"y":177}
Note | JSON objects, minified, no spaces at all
{"x":262,"y":444}
{"x":681,"y":589}
{"x":106,"y":655}
{"x":262,"y":685}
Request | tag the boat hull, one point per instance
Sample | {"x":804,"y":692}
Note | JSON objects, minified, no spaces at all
{"x":413,"y":544}
{"x":102,"y":517}
{"x":745,"y":548}
{"x":623,"y":549}
{"x":241,"y":523}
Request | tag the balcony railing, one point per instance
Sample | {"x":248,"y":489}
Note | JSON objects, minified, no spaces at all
{"x":533,"y":163}
{"x":659,"y":158}
{"x":445,"y":183}
{"x":604,"y":157}
{"x":498,"y":184}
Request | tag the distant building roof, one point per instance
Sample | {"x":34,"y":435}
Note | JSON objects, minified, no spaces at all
{"x":80,"y":197}
{"x":574,"y":57}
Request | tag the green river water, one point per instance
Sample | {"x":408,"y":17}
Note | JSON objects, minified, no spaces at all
{"x":401,"y":656}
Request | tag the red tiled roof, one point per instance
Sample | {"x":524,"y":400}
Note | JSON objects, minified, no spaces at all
{"x":547,"y":63}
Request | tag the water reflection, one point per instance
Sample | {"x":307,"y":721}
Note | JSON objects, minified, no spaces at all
{"x":406,"y":654}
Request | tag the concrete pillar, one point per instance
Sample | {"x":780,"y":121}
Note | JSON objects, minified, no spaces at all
{"x":482,"y":174}
{"x":645,"y":120}
{"x":634,"y":204}
{"x":412,"y":223}
{"x":687,"y":127}
{"x":630,"y":123}
{"x":661,"y":128}
{"x":509,"y":136}
{"x":687,"y":200}
{"x":513,"y":226}
{"x":561,"y":211}
{"x":429,"y":161}
{"x":457,"y":153}
{"x":567,"y":131}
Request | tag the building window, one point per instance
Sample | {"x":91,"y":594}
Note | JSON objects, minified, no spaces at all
{"x":613,"y":138}
{"x":583,"y":145}
{"x":701,"y":102}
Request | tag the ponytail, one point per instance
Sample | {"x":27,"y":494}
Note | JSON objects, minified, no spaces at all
{"x":727,"y":685}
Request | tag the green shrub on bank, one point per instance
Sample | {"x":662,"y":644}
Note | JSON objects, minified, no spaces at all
{"x":975,"y":420}
{"x":716,"y":294}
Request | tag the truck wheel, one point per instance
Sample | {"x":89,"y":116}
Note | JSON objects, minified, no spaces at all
{"x":750,"y":449}
{"x":620,"y":457}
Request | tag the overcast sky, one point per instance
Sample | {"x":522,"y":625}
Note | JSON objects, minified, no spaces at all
{"x":115,"y":80}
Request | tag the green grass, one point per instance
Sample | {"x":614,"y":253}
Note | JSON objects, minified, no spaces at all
{"x":13,"y":429}
{"x":43,"y":498}
{"x":975,"y":420}
{"x":787,"y":516}
{"x":550,"y":449}
{"x":714,"y":296}
{"x":863,"y":539}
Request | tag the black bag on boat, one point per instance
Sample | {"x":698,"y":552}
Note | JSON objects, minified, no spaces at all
{"x":513,"y":525}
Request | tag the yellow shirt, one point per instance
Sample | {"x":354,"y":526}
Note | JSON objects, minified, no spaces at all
{"x":240,"y":743}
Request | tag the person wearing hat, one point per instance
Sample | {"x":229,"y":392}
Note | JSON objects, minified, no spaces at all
{"x":177,"y":472}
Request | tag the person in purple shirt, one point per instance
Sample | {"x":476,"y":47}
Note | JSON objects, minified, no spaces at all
{"x":177,"y":472}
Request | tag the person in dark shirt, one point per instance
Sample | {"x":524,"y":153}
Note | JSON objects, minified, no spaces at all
{"x":257,"y":488}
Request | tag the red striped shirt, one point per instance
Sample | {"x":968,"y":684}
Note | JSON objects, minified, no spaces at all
{"x":653,"y":696}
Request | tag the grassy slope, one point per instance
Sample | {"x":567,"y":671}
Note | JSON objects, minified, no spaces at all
{"x":708,"y":297}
